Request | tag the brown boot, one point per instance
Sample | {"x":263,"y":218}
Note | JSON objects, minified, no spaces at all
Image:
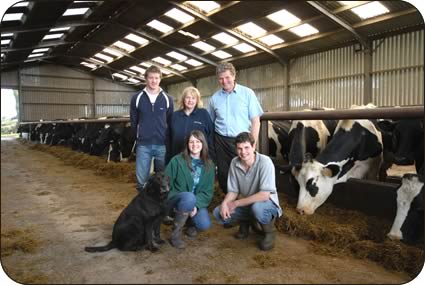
{"x":269,"y":230}
{"x":243,"y":230}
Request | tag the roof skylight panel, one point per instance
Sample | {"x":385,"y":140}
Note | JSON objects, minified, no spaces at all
{"x":166,"y":72}
{"x":136,"y":39}
{"x":179,"y":16}
{"x":75,"y":11}
{"x":304,"y":30}
{"x":205,"y":6}
{"x":178,"y":67}
{"x":96,"y":60}
{"x":90,"y":65}
{"x":104,"y":57}
{"x":225,"y":38}
{"x":119,"y":75}
{"x":251,"y":29}
{"x":349,"y":3}
{"x":135,"y":81}
{"x":157,"y":25}
{"x":370,"y":10}
{"x":203,"y":46}
{"x":40,"y":50}
{"x":131,"y":72}
{"x":177,"y":55}
{"x":138,"y":69}
{"x":13,"y":17}
{"x":61,"y":29}
{"x":124,"y":46}
{"x":221,"y":54}
{"x":112,"y":52}
{"x":6,"y":35}
{"x":243,"y":47}
{"x":52,"y":36}
{"x":145,"y":64}
{"x":161,"y":60}
{"x":194,"y":62}
{"x":21,"y":4}
{"x":35,"y":55}
{"x":5,"y":42}
{"x":188,"y":34}
{"x":284,"y":18}
{"x":271,"y":40}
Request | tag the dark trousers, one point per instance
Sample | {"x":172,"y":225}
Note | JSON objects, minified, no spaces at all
{"x":225,"y":151}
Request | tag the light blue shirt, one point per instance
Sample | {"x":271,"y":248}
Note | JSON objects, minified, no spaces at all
{"x":232,"y":112}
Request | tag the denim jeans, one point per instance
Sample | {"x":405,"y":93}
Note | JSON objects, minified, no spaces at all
{"x":144,"y":156}
{"x":263,"y":212}
{"x":185,"y":202}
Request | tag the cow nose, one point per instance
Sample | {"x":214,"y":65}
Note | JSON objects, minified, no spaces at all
{"x":300,"y":211}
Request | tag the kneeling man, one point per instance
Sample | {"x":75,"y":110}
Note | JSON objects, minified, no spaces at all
{"x":252,"y":195}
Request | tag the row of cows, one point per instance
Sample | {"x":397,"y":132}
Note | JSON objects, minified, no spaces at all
{"x":115,"y":141}
{"x":322,"y":153}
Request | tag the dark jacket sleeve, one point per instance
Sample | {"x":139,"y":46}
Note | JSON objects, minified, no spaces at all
{"x":169,"y":114}
{"x":205,"y":190}
{"x":210,"y":135}
{"x":134,"y":114}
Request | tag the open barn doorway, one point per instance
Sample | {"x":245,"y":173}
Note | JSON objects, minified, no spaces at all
{"x":9,"y":112}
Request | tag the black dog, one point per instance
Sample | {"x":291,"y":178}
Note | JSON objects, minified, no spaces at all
{"x":138,"y":226}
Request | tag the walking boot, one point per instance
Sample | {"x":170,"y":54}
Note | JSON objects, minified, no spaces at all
{"x":243,"y":230}
{"x":269,"y":230}
{"x":191,"y":230}
{"x":176,"y":234}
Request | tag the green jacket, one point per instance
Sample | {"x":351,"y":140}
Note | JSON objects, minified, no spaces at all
{"x":181,"y":181}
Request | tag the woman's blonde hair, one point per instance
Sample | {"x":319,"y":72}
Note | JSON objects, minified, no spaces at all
{"x":193,"y":92}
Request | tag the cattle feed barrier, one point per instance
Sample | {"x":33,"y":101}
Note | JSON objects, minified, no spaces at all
{"x":374,"y":198}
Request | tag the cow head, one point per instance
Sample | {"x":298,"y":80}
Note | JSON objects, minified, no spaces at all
{"x":316,"y":183}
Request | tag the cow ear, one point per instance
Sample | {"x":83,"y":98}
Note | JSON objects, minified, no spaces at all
{"x":330,"y":170}
{"x":295,"y":170}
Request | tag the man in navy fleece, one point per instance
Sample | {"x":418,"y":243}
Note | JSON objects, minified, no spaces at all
{"x":150,"y":113}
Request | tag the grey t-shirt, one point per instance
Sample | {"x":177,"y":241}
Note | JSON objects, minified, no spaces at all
{"x":260,"y":177}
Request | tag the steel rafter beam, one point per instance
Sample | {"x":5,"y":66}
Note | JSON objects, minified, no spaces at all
{"x":37,"y":28}
{"x":235,"y":34}
{"x":340,"y":22}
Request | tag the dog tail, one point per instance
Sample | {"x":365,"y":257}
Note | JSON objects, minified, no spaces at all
{"x":107,"y":247}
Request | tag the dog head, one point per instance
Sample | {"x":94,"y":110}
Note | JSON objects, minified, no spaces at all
{"x":158,"y":183}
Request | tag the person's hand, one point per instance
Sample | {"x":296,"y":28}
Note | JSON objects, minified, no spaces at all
{"x":232,"y":206}
{"x":194,"y":211}
{"x":224,"y":211}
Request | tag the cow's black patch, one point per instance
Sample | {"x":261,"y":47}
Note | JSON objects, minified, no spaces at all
{"x":311,"y":187}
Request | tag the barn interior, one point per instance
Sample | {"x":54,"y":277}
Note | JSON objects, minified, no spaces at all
{"x":85,"y":59}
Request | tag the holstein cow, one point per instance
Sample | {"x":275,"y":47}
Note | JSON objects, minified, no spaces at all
{"x":408,"y":224}
{"x":279,"y":139}
{"x":355,"y":151}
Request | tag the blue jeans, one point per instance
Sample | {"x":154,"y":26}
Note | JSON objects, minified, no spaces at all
{"x":144,"y":156}
{"x":185,"y":202}
{"x":263,"y":212}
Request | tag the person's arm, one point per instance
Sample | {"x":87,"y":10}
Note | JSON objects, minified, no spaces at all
{"x":225,"y":210}
{"x":257,"y":197}
{"x":255,"y":128}
{"x":134,"y":115}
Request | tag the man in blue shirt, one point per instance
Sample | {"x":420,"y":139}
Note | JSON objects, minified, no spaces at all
{"x":233,"y":109}
{"x":150,"y":113}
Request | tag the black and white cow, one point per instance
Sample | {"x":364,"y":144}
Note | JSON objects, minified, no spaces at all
{"x":308,"y":136}
{"x":279,"y":144}
{"x":355,"y":151}
{"x":408,"y":224}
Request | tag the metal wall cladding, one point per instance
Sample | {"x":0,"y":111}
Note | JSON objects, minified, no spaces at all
{"x":112,"y":110}
{"x":398,"y":70}
{"x":9,"y":80}
{"x":53,"y":112}
{"x":45,"y":95}
{"x":207,"y":86}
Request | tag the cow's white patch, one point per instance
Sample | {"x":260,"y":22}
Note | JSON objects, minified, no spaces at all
{"x":408,"y":190}
{"x":317,"y":125}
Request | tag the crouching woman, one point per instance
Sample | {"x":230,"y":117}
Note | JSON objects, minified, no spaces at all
{"x":191,"y":188}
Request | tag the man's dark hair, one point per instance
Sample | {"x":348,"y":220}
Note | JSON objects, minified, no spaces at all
{"x":245,"y":137}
